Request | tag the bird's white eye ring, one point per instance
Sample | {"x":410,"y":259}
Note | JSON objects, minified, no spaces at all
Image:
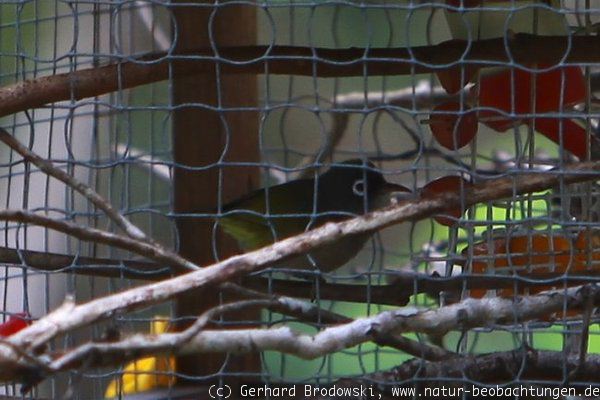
{"x":358,"y":188}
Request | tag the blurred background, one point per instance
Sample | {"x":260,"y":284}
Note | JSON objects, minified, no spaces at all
{"x":143,"y":147}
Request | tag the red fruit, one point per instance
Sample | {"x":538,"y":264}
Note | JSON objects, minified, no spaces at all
{"x":453,"y":131}
{"x":451,"y":78}
{"x":574,"y":136}
{"x":548,"y":89}
{"x":15,"y":323}
{"x":510,"y":91}
{"x":446,"y":184}
{"x":497,"y":91}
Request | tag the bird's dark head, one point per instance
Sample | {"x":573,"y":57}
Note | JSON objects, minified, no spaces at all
{"x":354,"y":186}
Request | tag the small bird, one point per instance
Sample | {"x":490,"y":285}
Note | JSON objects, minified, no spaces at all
{"x":350,"y":188}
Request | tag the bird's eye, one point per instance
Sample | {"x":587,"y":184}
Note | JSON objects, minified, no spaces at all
{"x":358,"y":188}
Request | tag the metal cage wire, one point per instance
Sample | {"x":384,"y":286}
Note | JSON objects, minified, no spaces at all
{"x":122,"y":144}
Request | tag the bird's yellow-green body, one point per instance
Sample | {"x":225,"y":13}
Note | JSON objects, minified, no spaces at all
{"x":280,"y":211}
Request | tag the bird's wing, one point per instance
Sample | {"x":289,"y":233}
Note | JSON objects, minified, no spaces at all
{"x":250,"y":231}
{"x":253,"y":231}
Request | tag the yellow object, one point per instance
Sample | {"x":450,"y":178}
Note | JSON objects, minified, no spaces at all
{"x":145,"y":373}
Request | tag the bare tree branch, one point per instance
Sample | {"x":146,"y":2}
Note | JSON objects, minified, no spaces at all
{"x":422,"y":95}
{"x":308,"y":312}
{"x":85,"y":190}
{"x":144,"y":249}
{"x":93,"y":266}
{"x":394,"y":295}
{"x":49,"y":327}
{"x":499,"y":367}
{"x":467,"y":314}
{"x":402,"y":283}
{"x":290,"y":60}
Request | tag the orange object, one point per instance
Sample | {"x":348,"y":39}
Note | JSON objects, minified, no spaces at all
{"x":534,"y":255}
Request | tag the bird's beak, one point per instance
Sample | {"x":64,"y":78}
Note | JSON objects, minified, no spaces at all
{"x":390,"y":187}
{"x":393,"y":193}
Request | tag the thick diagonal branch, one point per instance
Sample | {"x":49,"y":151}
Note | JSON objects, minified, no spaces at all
{"x":467,"y":314}
{"x":49,"y":327}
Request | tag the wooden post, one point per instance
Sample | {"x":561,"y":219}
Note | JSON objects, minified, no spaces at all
{"x":199,"y":137}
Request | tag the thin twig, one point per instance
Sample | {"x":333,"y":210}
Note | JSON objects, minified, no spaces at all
{"x":422,"y":95}
{"x":136,"y":345}
{"x":308,"y":312}
{"x":334,"y":136}
{"x":302,"y":310}
{"x":48,"y":167}
{"x":142,"y":248}
{"x":415,"y":348}
{"x":584,"y":336}
{"x":144,"y":161}
{"x":94,"y":266}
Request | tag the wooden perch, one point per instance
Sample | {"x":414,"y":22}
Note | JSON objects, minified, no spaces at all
{"x":290,"y":60}
{"x":405,"y":283}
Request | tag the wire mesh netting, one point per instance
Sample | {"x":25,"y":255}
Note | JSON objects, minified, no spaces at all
{"x":473,"y":122}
